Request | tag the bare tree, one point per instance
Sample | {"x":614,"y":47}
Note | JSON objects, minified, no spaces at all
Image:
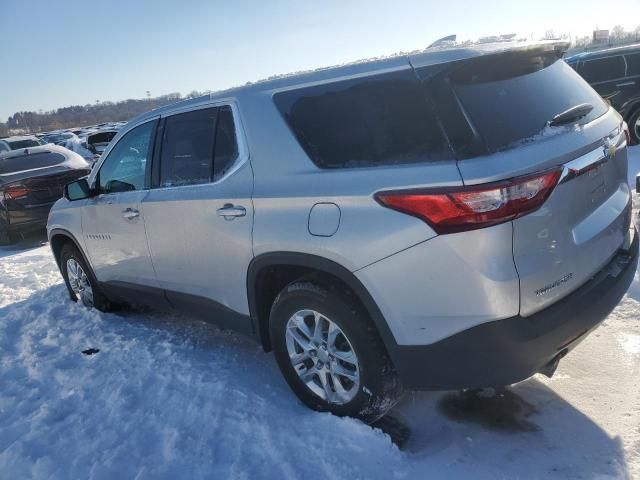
{"x":618,"y":32}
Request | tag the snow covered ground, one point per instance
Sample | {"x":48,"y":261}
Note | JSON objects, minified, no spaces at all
{"x":170,"y":397}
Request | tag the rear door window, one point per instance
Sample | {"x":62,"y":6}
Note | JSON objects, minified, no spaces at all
{"x":198,"y":147}
{"x":633,"y":64}
{"x":603,"y":69}
{"x":379,"y":120}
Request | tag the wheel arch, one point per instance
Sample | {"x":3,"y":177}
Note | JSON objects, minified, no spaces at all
{"x":272,"y":271}
{"x":57,"y":239}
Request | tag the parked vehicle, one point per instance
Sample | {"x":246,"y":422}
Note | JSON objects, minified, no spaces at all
{"x":18,"y":142}
{"x":31,"y":180}
{"x":405,"y":223}
{"x":615,"y":74}
{"x":59,"y":138}
{"x":98,"y":141}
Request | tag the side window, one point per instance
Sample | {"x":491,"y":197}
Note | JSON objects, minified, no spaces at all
{"x":226,"y":143}
{"x":603,"y":69}
{"x":124,"y":169}
{"x":633,"y":64}
{"x":4,"y":147}
{"x":187,"y":148}
{"x":379,"y":120}
{"x":197,"y":147}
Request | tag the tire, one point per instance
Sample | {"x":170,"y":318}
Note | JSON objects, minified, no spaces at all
{"x":366,"y":389}
{"x":70,"y":258}
{"x":634,"y":127}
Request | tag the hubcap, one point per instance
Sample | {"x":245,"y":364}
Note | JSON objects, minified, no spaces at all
{"x":79,"y":282}
{"x":323,"y":357}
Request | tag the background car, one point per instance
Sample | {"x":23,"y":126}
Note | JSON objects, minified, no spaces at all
{"x":58,"y":138}
{"x":18,"y":142}
{"x":31,"y":181}
{"x":615,"y":74}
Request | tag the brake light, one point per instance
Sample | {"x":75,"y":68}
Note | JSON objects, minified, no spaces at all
{"x":627,"y":134}
{"x":451,"y":210}
{"x":15,"y":192}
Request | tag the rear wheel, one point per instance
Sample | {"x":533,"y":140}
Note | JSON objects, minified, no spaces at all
{"x":329,"y":352}
{"x":80,"y":281}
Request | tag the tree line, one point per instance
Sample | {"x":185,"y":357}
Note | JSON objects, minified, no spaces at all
{"x":82,"y":115}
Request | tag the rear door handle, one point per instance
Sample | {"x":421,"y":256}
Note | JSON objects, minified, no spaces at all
{"x":626,"y":84}
{"x":130,"y":213}
{"x":229,"y":211}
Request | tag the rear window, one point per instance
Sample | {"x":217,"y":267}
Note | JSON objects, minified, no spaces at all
{"x":18,"y":144}
{"x":379,"y":120}
{"x":102,"y":137}
{"x":633,"y":64}
{"x":509,"y":99}
{"x":603,"y":69}
{"x":29,"y":162}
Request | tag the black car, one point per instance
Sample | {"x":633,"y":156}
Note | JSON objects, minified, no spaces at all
{"x":615,"y":74}
{"x":31,"y":180}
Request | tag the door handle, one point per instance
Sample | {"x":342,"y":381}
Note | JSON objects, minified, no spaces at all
{"x":130,"y":213}
{"x":229,"y":211}
{"x":626,"y":84}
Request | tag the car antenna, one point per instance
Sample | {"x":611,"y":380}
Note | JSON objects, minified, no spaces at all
{"x":443,"y":41}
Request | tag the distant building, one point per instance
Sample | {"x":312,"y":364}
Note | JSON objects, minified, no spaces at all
{"x":600,"y":36}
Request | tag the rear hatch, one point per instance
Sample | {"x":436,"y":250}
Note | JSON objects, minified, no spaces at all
{"x":498,"y":112}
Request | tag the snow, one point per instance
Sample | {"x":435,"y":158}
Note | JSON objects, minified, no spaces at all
{"x":171,"y":397}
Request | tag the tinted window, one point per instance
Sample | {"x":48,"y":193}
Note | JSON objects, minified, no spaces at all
{"x":379,"y":120}
{"x":124,"y":169}
{"x":187,"y":148}
{"x":29,"y":162}
{"x":18,"y":144}
{"x":603,"y":69}
{"x":226,"y":148}
{"x":633,"y":64}
{"x":197,"y":147}
{"x":506,"y":111}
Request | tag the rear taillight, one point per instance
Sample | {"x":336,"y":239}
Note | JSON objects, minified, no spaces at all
{"x":15,"y":192}
{"x":451,"y":210}
{"x":627,"y":134}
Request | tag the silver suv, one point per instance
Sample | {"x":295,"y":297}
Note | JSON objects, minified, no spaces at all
{"x":455,"y":218}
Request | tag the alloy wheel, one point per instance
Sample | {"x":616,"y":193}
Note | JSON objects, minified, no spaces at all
{"x":79,"y":282}
{"x":322,"y":356}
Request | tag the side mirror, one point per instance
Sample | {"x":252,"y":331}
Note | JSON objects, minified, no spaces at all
{"x":77,"y":190}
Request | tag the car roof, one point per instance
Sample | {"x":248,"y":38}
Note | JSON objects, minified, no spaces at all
{"x":607,"y":52}
{"x":421,"y":58}
{"x":18,"y":138}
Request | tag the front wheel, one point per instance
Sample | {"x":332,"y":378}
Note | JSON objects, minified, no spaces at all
{"x":329,"y":352}
{"x":80,"y":280}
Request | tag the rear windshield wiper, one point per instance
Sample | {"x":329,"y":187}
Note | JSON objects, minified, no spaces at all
{"x":571,"y":115}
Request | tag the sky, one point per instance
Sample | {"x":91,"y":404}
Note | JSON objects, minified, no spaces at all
{"x":56,"y":54}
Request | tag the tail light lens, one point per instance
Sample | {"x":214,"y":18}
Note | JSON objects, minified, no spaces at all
{"x":15,"y":192}
{"x":453,"y":210}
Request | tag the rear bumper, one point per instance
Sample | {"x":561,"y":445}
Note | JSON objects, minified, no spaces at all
{"x":508,"y":351}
